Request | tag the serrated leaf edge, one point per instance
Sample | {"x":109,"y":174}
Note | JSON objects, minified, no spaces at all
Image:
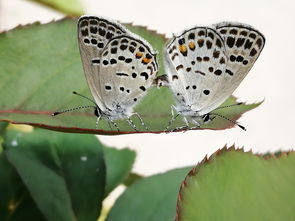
{"x":75,"y":18}
{"x":206,"y":160}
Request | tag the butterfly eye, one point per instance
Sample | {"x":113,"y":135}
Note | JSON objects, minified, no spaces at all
{"x":96,"y":112}
{"x":206,"y":118}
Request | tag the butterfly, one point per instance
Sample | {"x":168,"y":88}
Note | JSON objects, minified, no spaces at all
{"x":206,"y":64}
{"x":119,"y":67}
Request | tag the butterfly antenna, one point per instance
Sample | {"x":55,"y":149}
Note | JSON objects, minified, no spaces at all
{"x":72,"y":109}
{"x":228,"y":106}
{"x":234,"y":122}
{"x":74,"y":92}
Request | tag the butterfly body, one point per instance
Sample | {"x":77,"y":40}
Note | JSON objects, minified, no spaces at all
{"x":206,"y":64}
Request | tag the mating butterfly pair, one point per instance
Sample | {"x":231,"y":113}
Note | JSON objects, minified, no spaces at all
{"x":204,"y":66}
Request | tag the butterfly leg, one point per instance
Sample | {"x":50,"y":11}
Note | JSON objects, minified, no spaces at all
{"x":116,"y":126}
{"x":110,"y":126}
{"x":130,"y":122}
{"x":96,"y":123}
{"x":141,"y":121}
{"x":172,"y":119}
{"x":198,"y":126}
{"x":185,"y":127}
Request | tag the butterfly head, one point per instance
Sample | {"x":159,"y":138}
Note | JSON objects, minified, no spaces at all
{"x":97,"y":111}
{"x":187,"y":110}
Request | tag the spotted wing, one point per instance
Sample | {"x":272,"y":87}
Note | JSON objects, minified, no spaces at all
{"x":196,"y":64}
{"x":243,"y":45}
{"x":93,"y":35}
{"x":128,"y":68}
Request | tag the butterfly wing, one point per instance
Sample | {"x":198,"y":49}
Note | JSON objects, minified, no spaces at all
{"x":128,"y":68}
{"x":234,"y":49}
{"x":93,"y":35}
{"x":196,"y":65}
{"x":243,"y":45}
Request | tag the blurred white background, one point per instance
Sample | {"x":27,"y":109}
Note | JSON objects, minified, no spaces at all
{"x":269,"y":127}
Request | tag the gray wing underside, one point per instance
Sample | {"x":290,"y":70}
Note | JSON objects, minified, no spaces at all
{"x":243,"y":45}
{"x":196,"y":62}
{"x":93,"y":35}
{"x":129,"y":68}
{"x":236,"y":40}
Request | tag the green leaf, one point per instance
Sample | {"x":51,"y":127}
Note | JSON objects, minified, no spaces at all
{"x":151,"y":198}
{"x":64,"y":173}
{"x":49,"y":69}
{"x":69,"y":7}
{"x":132,"y":178}
{"x":3,"y":126}
{"x":118,"y":165}
{"x":16,"y":203}
{"x":25,"y":209}
{"x":237,"y":185}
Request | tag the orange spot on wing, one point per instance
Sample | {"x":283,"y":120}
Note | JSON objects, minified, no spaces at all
{"x":191,"y":45}
{"x":146,"y":60}
{"x":138,"y":54}
{"x":182,"y":48}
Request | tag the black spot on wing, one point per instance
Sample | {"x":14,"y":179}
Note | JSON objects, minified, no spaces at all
{"x":121,"y":58}
{"x":114,"y":50}
{"x":233,"y":31}
{"x":84,"y":32}
{"x":93,"y":29}
{"x":253,"y":52}
{"x":209,"y":44}
{"x":240,"y":58}
{"x":173,"y":56}
{"x":93,"y":41}
{"x":142,"y":88}
{"x":191,"y":36}
{"x":93,"y":22}
{"x":218,"y":43}
{"x":113,"y":61}
{"x":174,"y":77}
{"x":179,"y":67}
{"x":248,"y":44}
{"x":259,"y":42}
{"x":86,"y":41}
{"x":95,"y":61}
{"x":218,"y":72}
{"x":229,"y":72}
{"x":216,"y":54}
{"x":121,"y":74}
{"x":211,"y":35}
{"x":145,"y":75}
{"x":240,"y":42}
{"x":83,"y":23}
{"x":252,"y":35}
{"x":230,"y":41}
{"x":131,"y":49}
{"x":101,"y":32}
